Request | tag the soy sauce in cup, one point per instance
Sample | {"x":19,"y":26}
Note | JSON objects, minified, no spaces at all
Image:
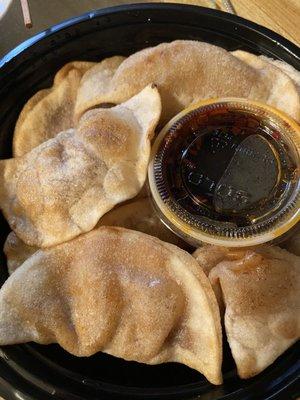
{"x":227,"y":172}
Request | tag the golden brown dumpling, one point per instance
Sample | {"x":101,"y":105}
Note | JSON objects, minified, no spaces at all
{"x":282,"y":91}
{"x":64,"y":186}
{"x":287,"y":69}
{"x":117,"y":291}
{"x":208,"y":256}
{"x":138,"y":215}
{"x":49,"y":111}
{"x":260,"y":290}
{"x":185,"y":72}
{"x":141,"y":216}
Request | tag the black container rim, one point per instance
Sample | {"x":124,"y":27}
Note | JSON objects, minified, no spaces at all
{"x":277,"y":39}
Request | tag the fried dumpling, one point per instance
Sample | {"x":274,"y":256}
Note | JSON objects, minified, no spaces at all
{"x":287,"y":69}
{"x":208,"y":256}
{"x":185,"y":72}
{"x":141,"y":216}
{"x":262,"y":305}
{"x":64,"y":186}
{"x":138,"y":215}
{"x":49,"y":111}
{"x":117,"y":291}
{"x":99,"y":77}
{"x":282,"y":92}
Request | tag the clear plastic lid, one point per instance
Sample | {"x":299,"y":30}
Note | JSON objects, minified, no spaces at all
{"x":227,"y":172}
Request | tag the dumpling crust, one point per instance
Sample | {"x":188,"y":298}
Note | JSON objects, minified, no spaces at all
{"x":184,"y":71}
{"x":262,"y":305}
{"x":117,"y":291}
{"x":62,"y":188}
{"x":49,"y":111}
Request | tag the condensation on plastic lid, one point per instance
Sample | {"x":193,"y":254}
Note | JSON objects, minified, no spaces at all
{"x":194,"y":235}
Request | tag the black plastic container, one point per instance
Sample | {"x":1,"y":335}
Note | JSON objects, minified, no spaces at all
{"x":47,"y":372}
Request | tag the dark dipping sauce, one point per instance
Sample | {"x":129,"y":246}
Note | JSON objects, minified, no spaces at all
{"x":225,"y":170}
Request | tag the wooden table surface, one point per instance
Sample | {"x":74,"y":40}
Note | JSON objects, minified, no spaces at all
{"x":282,"y":16}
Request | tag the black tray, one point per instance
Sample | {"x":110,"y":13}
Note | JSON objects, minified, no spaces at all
{"x":47,"y":372}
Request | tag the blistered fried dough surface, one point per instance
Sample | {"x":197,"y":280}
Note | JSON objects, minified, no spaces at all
{"x":49,"y":111}
{"x":282,"y":92}
{"x":185,"y":72}
{"x":261,"y":295}
{"x":141,"y":216}
{"x":287,"y":69}
{"x":98,"y":79}
{"x":138,"y":215}
{"x":63,"y":187}
{"x":209,"y":256}
{"x":117,"y":291}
